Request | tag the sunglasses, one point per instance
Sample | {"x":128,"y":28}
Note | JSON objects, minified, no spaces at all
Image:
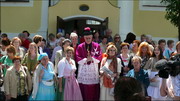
{"x":112,"y":50}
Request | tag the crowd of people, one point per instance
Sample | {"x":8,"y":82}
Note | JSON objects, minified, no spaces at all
{"x":93,"y":67}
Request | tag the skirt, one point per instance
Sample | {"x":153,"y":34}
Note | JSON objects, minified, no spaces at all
{"x":72,"y":89}
{"x":154,"y":90}
{"x":45,"y":92}
{"x":105,"y":94}
{"x":60,"y":95}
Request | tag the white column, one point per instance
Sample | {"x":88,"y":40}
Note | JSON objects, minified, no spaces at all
{"x":44,"y":19}
{"x":126,"y":17}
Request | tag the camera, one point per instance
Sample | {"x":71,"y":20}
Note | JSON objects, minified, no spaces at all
{"x":168,"y":67}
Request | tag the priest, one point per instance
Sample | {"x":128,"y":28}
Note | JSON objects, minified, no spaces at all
{"x":88,"y":56}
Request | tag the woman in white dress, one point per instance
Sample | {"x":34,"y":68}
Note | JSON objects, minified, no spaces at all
{"x":110,"y":70}
{"x":155,"y":81}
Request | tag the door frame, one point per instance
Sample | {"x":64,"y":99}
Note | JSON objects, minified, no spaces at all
{"x":83,"y":16}
{"x":104,"y":21}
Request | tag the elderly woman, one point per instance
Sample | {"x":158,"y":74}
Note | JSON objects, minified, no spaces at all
{"x":31,"y":58}
{"x":16,"y":42}
{"x":66,"y":73}
{"x":138,"y":73}
{"x":113,"y":64}
{"x":74,"y":39}
{"x":43,"y":84}
{"x":18,"y":82}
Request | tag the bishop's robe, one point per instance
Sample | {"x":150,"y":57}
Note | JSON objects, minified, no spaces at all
{"x":88,"y":72}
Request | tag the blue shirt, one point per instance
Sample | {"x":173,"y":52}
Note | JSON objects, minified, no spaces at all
{"x":48,"y":73}
{"x":142,"y":76}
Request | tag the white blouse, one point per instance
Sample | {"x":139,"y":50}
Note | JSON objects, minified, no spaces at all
{"x":66,"y":69}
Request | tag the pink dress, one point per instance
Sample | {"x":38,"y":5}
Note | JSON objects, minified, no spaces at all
{"x":67,"y":71}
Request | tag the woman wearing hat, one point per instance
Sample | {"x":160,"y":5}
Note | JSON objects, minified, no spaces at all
{"x":43,"y":84}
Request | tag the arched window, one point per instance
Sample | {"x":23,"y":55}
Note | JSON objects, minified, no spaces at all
{"x":92,"y":22}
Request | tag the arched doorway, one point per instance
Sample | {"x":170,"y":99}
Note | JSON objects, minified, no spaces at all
{"x":69,"y":24}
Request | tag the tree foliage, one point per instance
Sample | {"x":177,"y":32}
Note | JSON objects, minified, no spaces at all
{"x":173,"y":11}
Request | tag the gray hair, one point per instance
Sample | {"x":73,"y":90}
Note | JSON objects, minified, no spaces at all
{"x":73,"y":35}
{"x":22,"y":35}
{"x":137,"y":58}
{"x":149,"y":37}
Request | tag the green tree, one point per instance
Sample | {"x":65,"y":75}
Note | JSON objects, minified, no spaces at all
{"x":173,"y":13}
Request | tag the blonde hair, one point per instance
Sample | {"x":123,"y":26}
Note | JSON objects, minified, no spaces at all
{"x":110,"y":43}
{"x":111,"y":46}
{"x":69,"y":48}
{"x":35,"y":46}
